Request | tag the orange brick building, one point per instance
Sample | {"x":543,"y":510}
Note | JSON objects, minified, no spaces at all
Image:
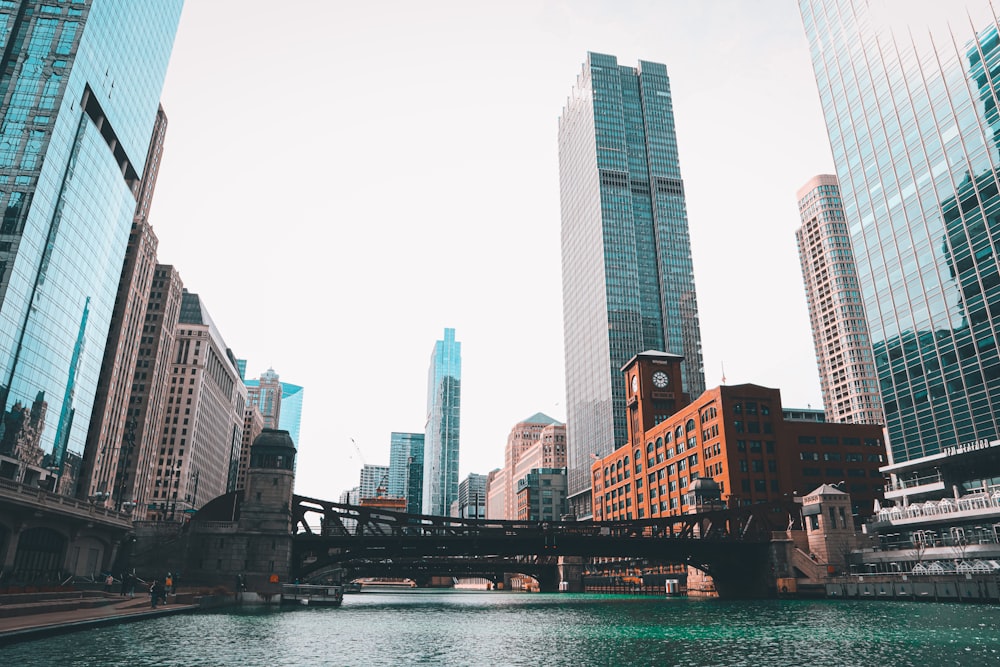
{"x":736,"y":435}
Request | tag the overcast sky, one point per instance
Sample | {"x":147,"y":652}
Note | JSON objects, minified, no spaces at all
{"x":343,"y":180}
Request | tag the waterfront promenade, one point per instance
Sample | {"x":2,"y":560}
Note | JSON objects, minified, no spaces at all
{"x":20,"y":621}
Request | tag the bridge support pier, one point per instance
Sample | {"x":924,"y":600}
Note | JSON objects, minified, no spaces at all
{"x":570,"y":570}
{"x":751,"y":576}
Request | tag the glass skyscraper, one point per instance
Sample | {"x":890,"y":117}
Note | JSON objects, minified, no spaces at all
{"x":628,"y":279}
{"x":403,"y":449}
{"x":291,"y":410}
{"x":79,"y":93}
{"x":444,"y":393}
{"x":909,"y":93}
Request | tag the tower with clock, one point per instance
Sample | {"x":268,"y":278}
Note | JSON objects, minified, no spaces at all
{"x":653,"y":390}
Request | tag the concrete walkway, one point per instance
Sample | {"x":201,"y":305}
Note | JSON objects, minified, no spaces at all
{"x":29,"y":625}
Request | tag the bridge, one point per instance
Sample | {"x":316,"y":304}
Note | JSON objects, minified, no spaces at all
{"x":731,"y":545}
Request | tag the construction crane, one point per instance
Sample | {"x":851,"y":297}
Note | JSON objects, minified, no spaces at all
{"x":382,"y":488}
{"x":358,"y":450}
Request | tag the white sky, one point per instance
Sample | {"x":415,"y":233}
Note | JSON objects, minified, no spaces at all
{"x":343,"y":180}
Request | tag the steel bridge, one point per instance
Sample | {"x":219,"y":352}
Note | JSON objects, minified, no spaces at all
{"x":731,"y":545}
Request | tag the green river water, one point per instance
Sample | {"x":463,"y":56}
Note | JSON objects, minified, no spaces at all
{"x":503,"y":628}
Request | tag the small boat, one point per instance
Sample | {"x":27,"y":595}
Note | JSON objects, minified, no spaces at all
{"x":327,"y":595}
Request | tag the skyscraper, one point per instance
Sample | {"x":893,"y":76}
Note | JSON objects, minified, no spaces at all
{"x":910,"y":101}
{"x":292,"y":396}
{"x":79,"y":93}
{"x":403,"y":448}
{"x":441,"y":434}
{"x":204,"y":418}
{"x":373,"y":481}
{"x":843,"y":350}
{"x":628,"y":279}
{"x":266,"y":393}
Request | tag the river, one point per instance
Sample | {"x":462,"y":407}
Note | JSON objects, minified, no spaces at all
{"x":481,"y":628}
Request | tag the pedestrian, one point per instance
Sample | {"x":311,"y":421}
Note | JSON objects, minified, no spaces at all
{"x":124,"y":585}
{"x":154,"y":593}
{"x":131,"y":584}
{"x":108,"y":582}
{"x":168,"y":586}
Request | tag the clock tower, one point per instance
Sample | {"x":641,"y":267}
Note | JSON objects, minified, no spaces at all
{"x":652,"y":390}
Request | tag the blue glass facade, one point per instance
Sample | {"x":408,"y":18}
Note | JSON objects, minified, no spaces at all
{"x":403,"y":449}
{"x":80,"y":89}
{"x":441,"y":434}
{"x":291,"y":410}
{"x":628,"y":279}
{"x":910,"y":101}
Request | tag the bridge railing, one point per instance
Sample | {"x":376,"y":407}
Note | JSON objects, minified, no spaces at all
{"x":343,"y":520}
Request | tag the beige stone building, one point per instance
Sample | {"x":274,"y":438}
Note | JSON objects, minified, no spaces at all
{"x":203,"y":422}
{"x":536,"y":442}
{"x":844,"y":356}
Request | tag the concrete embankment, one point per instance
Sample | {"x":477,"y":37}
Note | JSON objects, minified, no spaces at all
{"x":24,"y":617}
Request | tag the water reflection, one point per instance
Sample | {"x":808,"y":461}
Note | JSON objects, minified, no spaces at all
{"x":477,"y":628}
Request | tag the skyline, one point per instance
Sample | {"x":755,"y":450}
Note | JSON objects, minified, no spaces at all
{"x":237,"y":167}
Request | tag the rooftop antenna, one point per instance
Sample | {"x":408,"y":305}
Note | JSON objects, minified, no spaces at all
{"x":723,"y":372}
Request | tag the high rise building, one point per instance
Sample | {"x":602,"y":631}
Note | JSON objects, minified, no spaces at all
{"x":471,"y":500}
{"x":204,"y":418}
{"x":909,"y":93}
{"x":441,"y":434}
{"x":909,"y":99}
{"x":266,"y":393}
{"x":403,"y":447}
{"x":148,"y":400}
{"x":373,"y":481}
{"x":628,"y":279}
{"x":530,"y":435}
{"x":415,"y":478}
{"x":253,"y":425}
{"x":292,"y":396}
{"x":111,"y":443}
{"x":843,"y":350}
{"x":79,"y":94}
{"x":111,"y":438}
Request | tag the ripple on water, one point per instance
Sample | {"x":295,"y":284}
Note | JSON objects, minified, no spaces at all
{"x":480,"y":628}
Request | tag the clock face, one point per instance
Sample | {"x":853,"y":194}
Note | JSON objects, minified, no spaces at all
{"x":635,"y":383}
{"x":661,"y":379}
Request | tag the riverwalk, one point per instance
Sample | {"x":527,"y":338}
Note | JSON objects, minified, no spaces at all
{"x":30,"y":617}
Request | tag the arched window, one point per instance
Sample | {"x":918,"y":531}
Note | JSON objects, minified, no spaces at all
{"x":690,"y":425}
{"x":659,"y":441}
{"x":649,"y":447}
{"x":679,"y":433}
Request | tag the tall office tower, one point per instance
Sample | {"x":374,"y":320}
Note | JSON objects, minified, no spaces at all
{"x":203,"y":421}
{"x":111,"y":440}
{"x":266,"y":393}
{"x":253,"y":425}
{"x":628,"y":280}
{"x":444,"y":394}
{"x":292,"y":396}
{"x":149,"y":384}
{"x":288,"y":404}
{"x":374,"y":481}
{"x":415,"y":477}
{"x":401,"y":447}
{"x":151,"y":168}
{"x":843,"y":350}
{"x":471,"y":497}
{"x":522,"y":436}
{"x":910,"y":101}
{"x":111,"y":437}
{"x":79,"y":94}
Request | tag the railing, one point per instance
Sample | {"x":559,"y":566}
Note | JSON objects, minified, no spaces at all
{"x":24,"y":493}
{"x":913,"y":482}
{"x":978,"y":503}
